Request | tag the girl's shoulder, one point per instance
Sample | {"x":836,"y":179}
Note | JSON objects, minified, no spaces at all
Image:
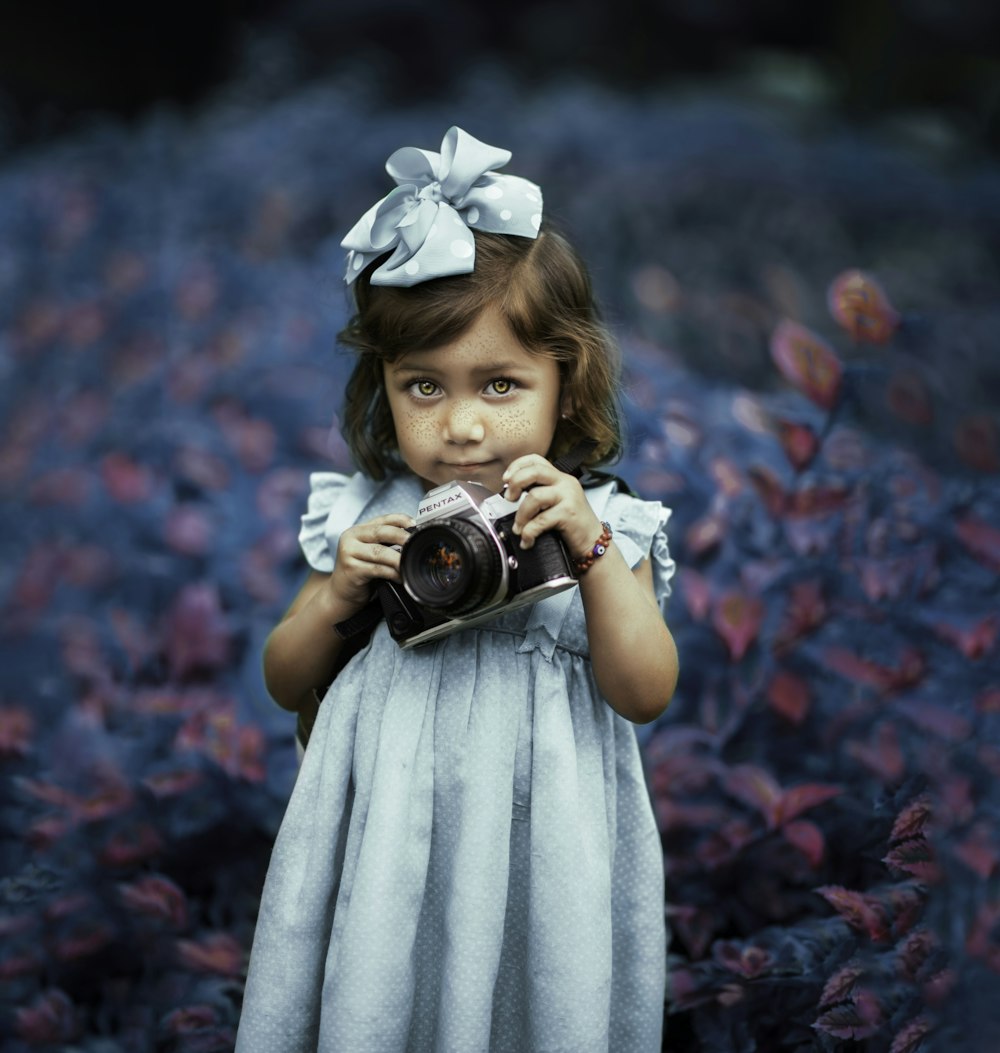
{"x":338,"y":501}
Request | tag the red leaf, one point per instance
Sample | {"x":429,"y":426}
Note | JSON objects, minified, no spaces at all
{"x":798,"y":799}
{"x":807,"y":362}
{"x":981,"y":539}
{"x":973,"y":639}
{"x":905,"y":904}
{"x":17,"y":729}
{"x":755,"y":787}
{"x":799,"y":441}
{"x":916,"y":858}
{"x":882,"y":754}
{"x":850,"y":1020}
{"x":936,"y":719}
{"x":806,"y":612}
{"x":769,"y":489}
{"x":860,"y":670}
{"x":859,"y":304}
{"x":989,"y":701}
{"x":908,"y":397}
{"x":156,"y":897}
{"x":976,"y":443}
{"x":52,"y":1018}
{"x":705,"y":534}
{"x":188,"y":530}
{"x":937,"y":990}
{"x":789,"y":696}
{"x":983,"y":939}
{"x":914,"y":951}
{"x":737,"y":618}
{"x":197,"y":632}
{"x":861,"y":912}
{"x":840,"y":986}
{"x":978,"y":851}
{"x":215,"y":953}
{"x":912,"y":819}
{"x":695,"y":590}
{"x":911,"y":1036}
{"x":807,"y":838}
{"x":127,"y":481}
{"x":694,"y":926}
{"x":746,"y":961}
{"x":173,"y":782}
{"x":131,"y":845}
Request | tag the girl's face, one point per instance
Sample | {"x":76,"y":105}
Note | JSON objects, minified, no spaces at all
{"x":469,"y":408}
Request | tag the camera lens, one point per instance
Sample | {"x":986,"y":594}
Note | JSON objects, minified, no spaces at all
{"x":451,"y":565}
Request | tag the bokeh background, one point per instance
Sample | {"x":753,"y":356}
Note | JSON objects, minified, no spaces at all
{"x":792,"y":214}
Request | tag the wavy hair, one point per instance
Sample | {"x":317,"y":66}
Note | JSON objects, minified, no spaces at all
{"x":541,"y":288}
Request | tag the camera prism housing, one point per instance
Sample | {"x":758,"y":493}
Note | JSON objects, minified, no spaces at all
{"x":463,"y":565}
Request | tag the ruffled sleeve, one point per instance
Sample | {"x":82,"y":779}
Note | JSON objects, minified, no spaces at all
{"x":640,"y":530}
{"x":324,"y":490}
{"x":337,"y":502}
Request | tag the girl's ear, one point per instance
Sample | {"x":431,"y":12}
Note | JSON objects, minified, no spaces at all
{"x":566,"y":403}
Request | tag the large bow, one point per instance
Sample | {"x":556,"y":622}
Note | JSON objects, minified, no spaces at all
{"x":426,"y":220}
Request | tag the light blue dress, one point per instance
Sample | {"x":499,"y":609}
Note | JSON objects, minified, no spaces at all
{"x":469,"y":860}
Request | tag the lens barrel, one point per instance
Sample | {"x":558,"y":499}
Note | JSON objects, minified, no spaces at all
{"x":451,"y":565}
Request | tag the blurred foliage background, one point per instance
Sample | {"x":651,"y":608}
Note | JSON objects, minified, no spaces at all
{"x":793,"y":218}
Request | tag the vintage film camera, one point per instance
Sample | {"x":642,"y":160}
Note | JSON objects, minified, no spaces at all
{"x":462,"y":565}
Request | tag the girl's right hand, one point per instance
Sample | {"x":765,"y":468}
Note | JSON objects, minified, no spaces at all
{"x":366,"y":552}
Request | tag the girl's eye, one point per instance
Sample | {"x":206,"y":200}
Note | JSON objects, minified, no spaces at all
{"x":424,"y":388}
{"x":501,"y":386}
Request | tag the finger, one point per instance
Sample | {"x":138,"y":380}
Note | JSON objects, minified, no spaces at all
{"x":395,"y":522}
{"x":381,"y":531}
{"x":535,"y":500}
{"x":527,"y":472}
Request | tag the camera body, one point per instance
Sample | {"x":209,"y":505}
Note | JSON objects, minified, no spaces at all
{"x":463,"y":564}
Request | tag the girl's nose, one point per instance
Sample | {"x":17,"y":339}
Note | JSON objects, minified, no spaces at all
{"x":463,"y":425}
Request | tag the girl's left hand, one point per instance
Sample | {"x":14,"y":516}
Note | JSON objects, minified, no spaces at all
{"x":553,"y":500}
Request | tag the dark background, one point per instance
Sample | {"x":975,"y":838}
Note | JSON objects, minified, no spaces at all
{"x":60,"y":61}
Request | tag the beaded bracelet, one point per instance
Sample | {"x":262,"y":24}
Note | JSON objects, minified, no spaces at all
{"x":584,"y":563}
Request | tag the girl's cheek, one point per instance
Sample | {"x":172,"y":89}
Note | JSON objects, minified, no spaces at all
{"x":417,"y":428}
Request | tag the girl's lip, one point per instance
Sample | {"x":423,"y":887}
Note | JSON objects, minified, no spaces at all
{"x":464,"y":466}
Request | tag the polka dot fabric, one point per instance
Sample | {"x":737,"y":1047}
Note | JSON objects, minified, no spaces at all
{"x":469,"y":860}
{"x":426,"y":222}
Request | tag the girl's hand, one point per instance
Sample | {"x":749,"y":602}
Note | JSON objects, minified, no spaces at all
{"x":555,"y":501}
{"x":365,"y":553}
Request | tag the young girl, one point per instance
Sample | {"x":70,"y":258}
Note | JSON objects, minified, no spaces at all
{"x":469,"y":860}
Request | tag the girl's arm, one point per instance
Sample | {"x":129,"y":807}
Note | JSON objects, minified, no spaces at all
{"x":300,"y":654}
{"x":631,"y":649}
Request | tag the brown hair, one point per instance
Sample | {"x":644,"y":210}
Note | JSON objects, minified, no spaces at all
{"x":541,"y":288}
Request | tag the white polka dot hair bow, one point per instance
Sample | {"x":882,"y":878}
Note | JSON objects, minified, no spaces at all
{"x":425,"y":221}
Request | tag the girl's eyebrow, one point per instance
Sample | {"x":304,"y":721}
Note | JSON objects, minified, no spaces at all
{"x":489,"y":369}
